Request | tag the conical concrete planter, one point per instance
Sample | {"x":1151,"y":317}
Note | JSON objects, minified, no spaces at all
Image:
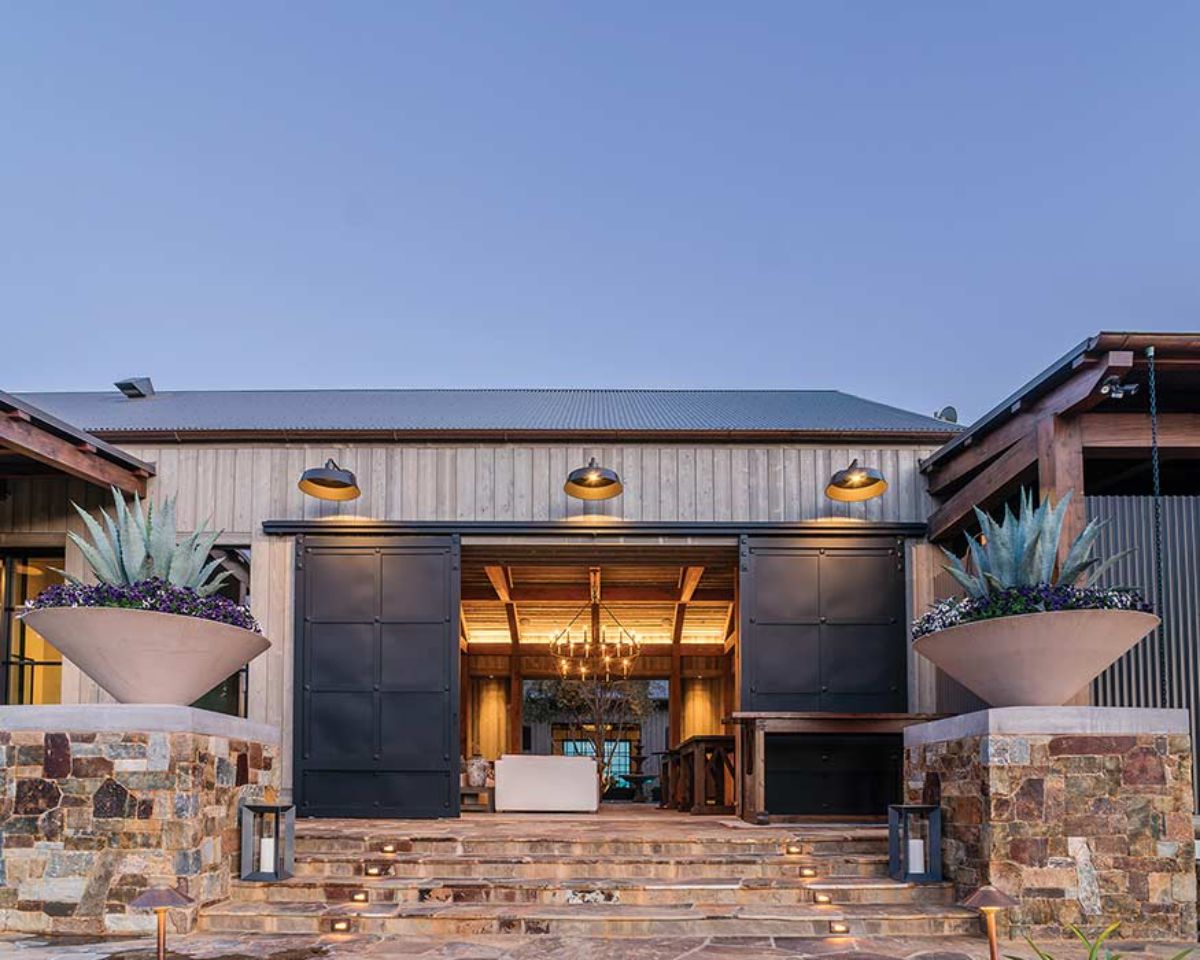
{"x":142,"y":656}
{"x":1034,"y":659}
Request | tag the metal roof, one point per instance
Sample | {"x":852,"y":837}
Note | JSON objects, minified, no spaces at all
{"x":306,"y":412}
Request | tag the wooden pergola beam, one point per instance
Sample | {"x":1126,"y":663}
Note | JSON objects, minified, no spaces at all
{"x":1007,"y":467}
{"x":20,"y":434}
{"x":1073,"y":397}
{"x":1131,"y":431}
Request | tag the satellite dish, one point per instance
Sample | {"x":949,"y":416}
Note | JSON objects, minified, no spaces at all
{"x":949,"y":414}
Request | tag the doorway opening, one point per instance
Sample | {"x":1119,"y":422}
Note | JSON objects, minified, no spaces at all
{"x":680,"y":602}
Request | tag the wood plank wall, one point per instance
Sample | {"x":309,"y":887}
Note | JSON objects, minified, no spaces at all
{"x":238,"y":486}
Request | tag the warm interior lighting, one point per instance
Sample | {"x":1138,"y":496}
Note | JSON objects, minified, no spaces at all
{"x":359,"y":896}
{"x":822,"y":898}
{"x":593,"y":482}
{"x":807,"y":872}
{"x":855,"y":484}
{"x":793,"y":848}
{"x":837,"y":926}
{"x":329,"y":482}
{"x":340,"y":926}
{"x":388,"y":848}
{"x":373,"y":871}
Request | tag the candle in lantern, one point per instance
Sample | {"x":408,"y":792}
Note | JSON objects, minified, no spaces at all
{"x":266,"y":854}
{"x":916,"y":855}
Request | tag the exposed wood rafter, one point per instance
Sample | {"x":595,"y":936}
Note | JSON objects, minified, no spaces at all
{"x":1007,"y":467}
{"x":20,"y":434}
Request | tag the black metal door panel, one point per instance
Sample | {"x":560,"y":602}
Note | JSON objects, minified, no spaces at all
{"x":376,"y":676}
{"x":823,"y":625}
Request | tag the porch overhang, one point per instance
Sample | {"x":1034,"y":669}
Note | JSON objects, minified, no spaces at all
{"x":1074,"y":410}
{"x":34,"y":443}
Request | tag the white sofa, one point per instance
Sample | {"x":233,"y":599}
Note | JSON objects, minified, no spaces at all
{"x":536,"y":784}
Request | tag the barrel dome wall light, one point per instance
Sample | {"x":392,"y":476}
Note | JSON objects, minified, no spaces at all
{"x":593,"y":482}
{"x":855,"y":484}
{"x":329,"y":482}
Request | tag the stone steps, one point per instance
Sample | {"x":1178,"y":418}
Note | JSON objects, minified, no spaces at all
{"x":636,"y":876}
{"x":311,"y":844}
{"x":592,"y":920}
{"x":552,"y":867}
{"x":639,"y":892}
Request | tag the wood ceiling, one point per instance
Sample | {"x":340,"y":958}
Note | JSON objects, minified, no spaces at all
{"x":534,"y":601}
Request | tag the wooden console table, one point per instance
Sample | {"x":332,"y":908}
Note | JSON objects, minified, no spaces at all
{"x":699,"y":781}
{"x":753,"y":729}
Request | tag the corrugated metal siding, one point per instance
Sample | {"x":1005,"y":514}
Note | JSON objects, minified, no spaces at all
{"x":1134,"y":680}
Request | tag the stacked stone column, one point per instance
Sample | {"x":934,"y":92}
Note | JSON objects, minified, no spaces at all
{"x":1083,"y":814}
{"x":98,"y":803}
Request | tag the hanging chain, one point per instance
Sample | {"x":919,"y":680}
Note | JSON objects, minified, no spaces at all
{"x":1156,"y":481}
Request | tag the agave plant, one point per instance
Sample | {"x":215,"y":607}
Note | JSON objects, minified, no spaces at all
{"x":136,"y":546}
{"x":1021,"y":550}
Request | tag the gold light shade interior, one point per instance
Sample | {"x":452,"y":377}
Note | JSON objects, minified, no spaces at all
{"x":855,"y":484}
{"x":593,"y":482}
{"x":329,"y":482}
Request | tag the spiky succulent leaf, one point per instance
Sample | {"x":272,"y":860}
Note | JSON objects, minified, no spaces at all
{"x":138,"y":545}
{"x":161,"y":537}
{"x":1079,"y":560}
{"x":101,"y":554}
{"x":98,"y":559}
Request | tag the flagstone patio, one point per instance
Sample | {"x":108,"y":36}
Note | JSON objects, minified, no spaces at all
{"x":328,"y":947}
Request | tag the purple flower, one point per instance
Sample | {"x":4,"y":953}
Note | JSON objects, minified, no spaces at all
{"x":153,"y":594}
{"x":1018,"y":600}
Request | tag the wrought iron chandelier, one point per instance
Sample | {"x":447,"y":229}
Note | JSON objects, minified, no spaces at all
{"x":598,"y":650}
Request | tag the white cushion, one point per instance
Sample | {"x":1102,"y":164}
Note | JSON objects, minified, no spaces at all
{"x":546,"y":784}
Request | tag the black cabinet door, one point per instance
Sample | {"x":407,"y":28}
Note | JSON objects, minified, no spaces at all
{"x":376,"y":677}
{"x":823,"y":625}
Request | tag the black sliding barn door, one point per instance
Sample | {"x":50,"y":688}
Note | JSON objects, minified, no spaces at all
{"x":823,"y":625}
{"x":376,"y":681}
{"x":823,"y":629}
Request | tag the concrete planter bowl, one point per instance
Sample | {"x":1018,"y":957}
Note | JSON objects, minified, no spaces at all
{"x":142,"y":656}
{"x":1034,"y":659}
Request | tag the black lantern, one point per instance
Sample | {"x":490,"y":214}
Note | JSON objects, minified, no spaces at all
{"x":268,"y":841}
{"x":915,"y":842}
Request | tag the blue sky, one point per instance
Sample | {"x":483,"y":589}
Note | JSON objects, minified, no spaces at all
{"x":924,"y":203}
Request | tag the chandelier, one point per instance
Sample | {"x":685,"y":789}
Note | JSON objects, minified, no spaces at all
{"x":601,"y":650}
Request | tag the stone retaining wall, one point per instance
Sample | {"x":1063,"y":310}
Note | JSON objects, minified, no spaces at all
{"x":1082,"y":827}
{"x":91,"y":816}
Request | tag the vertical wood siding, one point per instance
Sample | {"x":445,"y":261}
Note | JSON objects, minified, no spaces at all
{"x":235,"y":487}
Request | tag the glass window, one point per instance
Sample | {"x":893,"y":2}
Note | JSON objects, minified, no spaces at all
{"x":32,"y":668}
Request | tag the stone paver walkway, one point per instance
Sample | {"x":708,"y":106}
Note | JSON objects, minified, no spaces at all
{"x":260,"y":947}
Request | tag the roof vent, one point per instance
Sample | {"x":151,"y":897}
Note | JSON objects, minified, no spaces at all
{"x":135,"y":388}
{"x":949,"y":414}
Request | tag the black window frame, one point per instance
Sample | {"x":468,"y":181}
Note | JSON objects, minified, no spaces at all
{"x":9,"y":559}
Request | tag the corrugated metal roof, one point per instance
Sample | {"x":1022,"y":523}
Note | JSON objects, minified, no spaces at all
{"x":515,"y":411}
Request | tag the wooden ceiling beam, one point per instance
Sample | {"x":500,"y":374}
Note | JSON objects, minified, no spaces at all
{"x":578,"y":593}
{"x":500,"y":582}
{"x":1007,"y":467}
{"x":19,"y":434}
{"x":689,"y":580}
